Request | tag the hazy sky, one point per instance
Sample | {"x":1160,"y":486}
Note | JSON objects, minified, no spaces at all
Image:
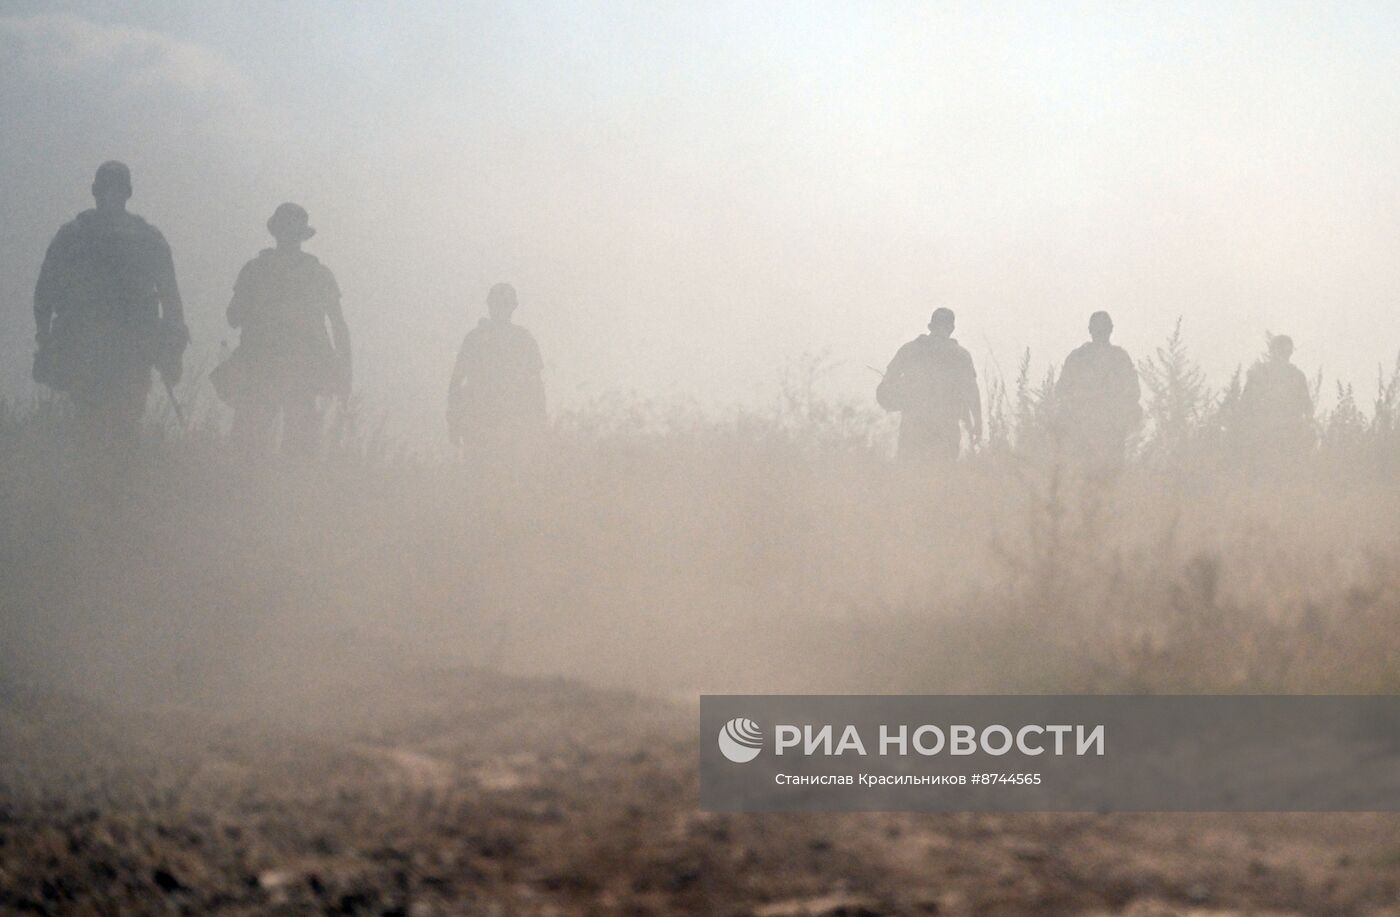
{"x":685,"y":195}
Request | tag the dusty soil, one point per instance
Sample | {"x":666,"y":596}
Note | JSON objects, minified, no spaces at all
{"x":455,"y":792}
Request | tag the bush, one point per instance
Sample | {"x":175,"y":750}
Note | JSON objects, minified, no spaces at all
{"x":670,"y":548}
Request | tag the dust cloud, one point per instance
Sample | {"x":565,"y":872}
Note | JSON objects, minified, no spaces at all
{"x":393,"y":675}
{"x":687,"y":199}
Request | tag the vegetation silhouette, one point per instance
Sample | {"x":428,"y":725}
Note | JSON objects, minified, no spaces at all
{"x":789,"y":552}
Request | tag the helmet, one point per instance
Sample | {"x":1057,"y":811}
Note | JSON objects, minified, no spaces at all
{"x":942,"y":317}
{"x":290,"y":220}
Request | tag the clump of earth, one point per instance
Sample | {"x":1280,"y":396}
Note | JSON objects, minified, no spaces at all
{"x":446,"y":792}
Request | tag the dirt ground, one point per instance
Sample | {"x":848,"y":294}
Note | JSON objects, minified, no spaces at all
{"x":451,"y":792}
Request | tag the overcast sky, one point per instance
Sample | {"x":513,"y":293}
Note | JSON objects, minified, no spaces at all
{"x":688,"y":194}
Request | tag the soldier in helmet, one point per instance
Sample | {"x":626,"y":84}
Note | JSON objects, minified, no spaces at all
{"x":495,"y":398}
{"x":932,"y":383}
{"x":1275,"y":418}
{"x":283,"y":302}
{"x":107,"y":309}
{"x":1098,"y":398}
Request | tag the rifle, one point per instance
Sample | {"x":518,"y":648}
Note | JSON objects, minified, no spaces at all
{"x":171,"y":339}
{"x":345,"y":426}
{"x":174,"y":402}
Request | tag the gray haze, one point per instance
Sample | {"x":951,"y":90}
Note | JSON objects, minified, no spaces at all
{"x":686,"y":196}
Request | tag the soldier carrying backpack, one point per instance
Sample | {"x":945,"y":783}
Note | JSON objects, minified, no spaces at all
{"x":932,"y":383}
{"x":107,"y":309}
{"x":283,"y":303}
{"x":495,"y":398}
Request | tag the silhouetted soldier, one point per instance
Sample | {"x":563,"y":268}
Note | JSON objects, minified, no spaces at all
{"x":107,"y":310}
{"x":1098,"y":398}
{"x":495,"y":399}
{"x":1276,"y":409}
{"x":932,"y":383}
{"x":282,"y":303}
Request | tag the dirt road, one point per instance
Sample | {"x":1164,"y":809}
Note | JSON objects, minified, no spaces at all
{"x":449,"y":792}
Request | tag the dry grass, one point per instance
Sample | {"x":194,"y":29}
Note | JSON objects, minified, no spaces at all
{"x":280,"y":715}
{"x":675,"y":551}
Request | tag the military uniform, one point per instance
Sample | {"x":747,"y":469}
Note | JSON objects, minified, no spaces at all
{"x":496,"y":392}
{"x":281,"y":302}
{"x":107,"y":309}
{"x":932,"y":383}
{"x":1276,"y":410}
{"x":1098,"y":397}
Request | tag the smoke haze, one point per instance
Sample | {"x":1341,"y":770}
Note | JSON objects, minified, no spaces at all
{"x":688,"y":197}
{"x":362,"y":679}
